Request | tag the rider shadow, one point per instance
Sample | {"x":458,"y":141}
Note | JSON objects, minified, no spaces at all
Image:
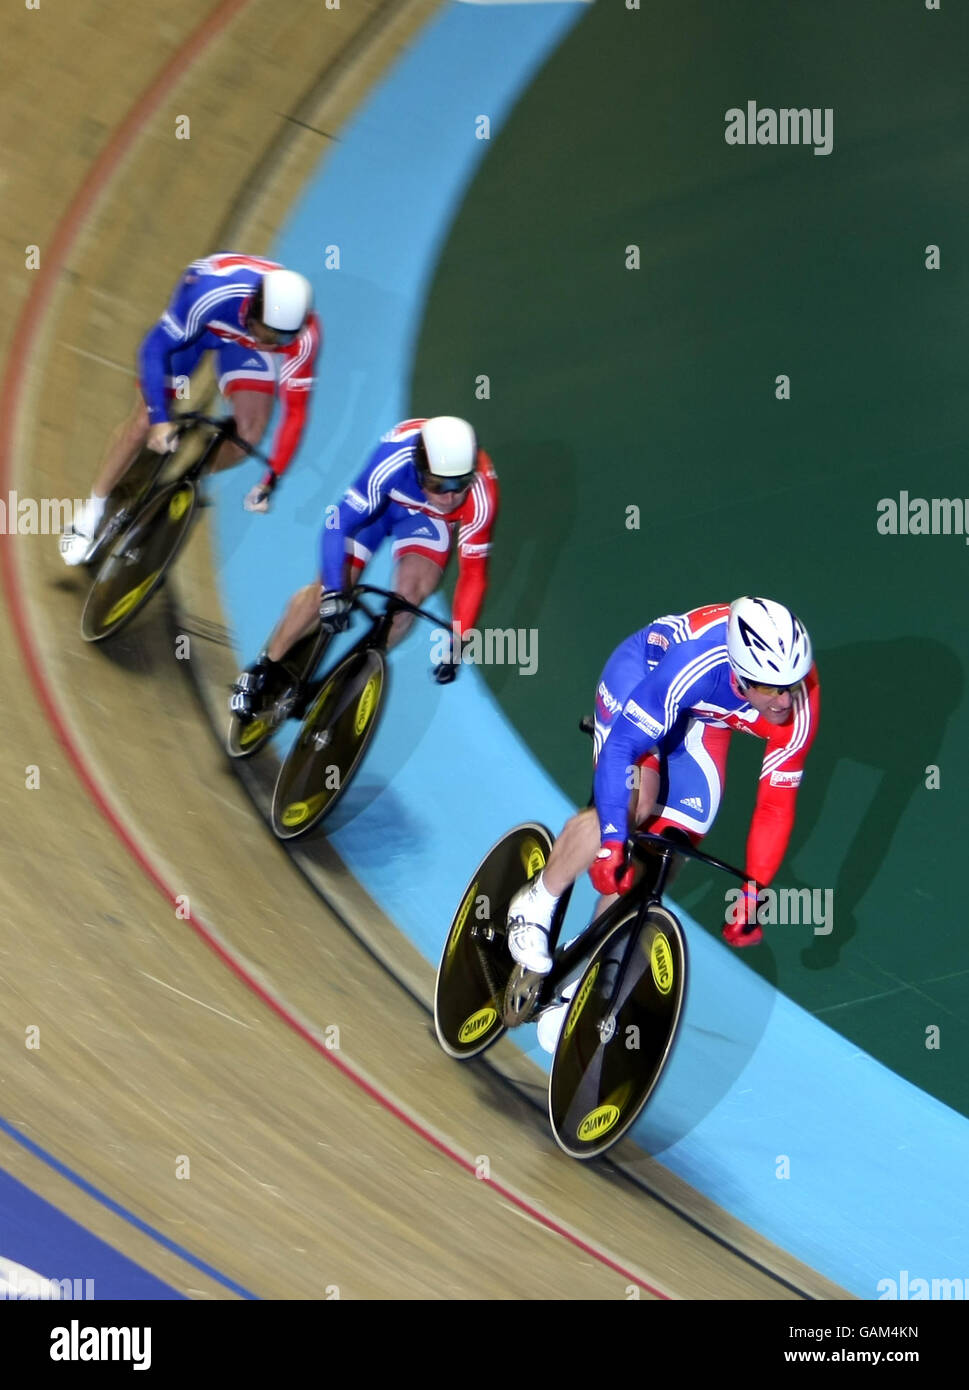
{"x":525,"y":559}
{"x":723,"y":1027}
{"x":893,"y":753}
{"x":358,"y":800}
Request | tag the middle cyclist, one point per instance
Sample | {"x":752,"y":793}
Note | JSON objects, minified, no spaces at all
{"x":425,"y":478}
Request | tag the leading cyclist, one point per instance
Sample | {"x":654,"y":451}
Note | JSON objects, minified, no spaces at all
{"x":669,"y":698}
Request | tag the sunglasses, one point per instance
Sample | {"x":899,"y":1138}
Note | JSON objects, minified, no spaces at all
{"x":280,"y":337}
{"x":772,"y":689}
{"x":439,"y":486}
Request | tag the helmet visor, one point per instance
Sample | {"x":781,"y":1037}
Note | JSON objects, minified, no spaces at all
{"x":431,"y":483}
{"x":281,"y":337}
{"x":771,"y":689}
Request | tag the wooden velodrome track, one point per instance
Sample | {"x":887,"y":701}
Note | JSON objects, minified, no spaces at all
{"x":310,"y":1169}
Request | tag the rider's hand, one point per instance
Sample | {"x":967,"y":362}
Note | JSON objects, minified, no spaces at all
{"x":741,"y":927}
{"x":335,"y":611}
{"x":610,"y":873}
{"x":257,"y":498}
{"x":444,"y":672}
{"x":162,"y":438}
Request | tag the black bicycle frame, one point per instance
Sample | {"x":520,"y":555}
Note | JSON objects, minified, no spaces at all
{"x":379,"y":633}
{"x":647,"y":894}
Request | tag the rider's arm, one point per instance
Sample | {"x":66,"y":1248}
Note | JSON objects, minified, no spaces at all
{"x":296,"y":382}
{"x":646,"y":716}
{"x":170,"y":334}
{"x":361,"y":502}
{"x":474,"y":546}
{"x":780,"y":777}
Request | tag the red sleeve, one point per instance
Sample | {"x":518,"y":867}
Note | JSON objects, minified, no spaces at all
{"x":470,"y":590}
{"x":296,"y":382}
{"x":780,"y":777}
{"x":290,"y":431}
{"x":474,"y":544}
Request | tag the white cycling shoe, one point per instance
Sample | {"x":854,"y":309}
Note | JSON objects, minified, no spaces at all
{"x":552,"y":1021}
{"x":75,"y":547}
{"x":528,"y":944}
{"x":527,"y":933}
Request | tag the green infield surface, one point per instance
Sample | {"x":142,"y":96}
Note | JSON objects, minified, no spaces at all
{"x":612,"y":388}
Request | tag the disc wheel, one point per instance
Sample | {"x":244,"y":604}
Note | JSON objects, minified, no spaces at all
{"x":332,"y":740}
{"x":618,"y":1033}
{"x":475,"y":966}
{"x":137,"y":562}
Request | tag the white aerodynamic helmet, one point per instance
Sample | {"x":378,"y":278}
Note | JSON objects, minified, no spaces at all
{"x":284,"y":300}
{"x":448,"y":449}
{"x":767,"y":643}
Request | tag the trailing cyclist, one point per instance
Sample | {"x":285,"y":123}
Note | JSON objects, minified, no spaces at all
{"x":427,"y":479}
{"x":258,"y":318}
{"x":669,"y":698}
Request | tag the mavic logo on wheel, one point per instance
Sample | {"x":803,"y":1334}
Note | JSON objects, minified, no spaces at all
{"x":299,"y":811}
{"x":477,"y":1025}
{"x":461,"y":918}
{"x":178,"y":506}
{"x":661,"y":963}
{"x":125,"y":604}
{"x":366,"y":704}
{"x":597,"y":1123}
{"x":533,"y":857}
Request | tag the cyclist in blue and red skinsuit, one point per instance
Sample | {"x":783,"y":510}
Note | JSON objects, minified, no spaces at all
{"x":426,"y":480}
{"x":669,"y":698}
{"x":258,"y":318}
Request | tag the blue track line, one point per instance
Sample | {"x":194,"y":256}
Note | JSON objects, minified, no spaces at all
{"x":51,"y":1236}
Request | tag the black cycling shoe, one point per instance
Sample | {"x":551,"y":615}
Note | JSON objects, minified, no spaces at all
{"x":249,"y":689}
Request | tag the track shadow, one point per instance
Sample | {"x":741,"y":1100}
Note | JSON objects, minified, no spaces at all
{"x":869,"y":721}
{"x":527,"y":553}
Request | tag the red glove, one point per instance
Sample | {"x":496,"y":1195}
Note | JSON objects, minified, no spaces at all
{"x":742,"y":928}
{"x":610,"y":873}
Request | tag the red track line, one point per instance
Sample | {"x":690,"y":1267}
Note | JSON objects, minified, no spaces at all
{"x":53,"y":260}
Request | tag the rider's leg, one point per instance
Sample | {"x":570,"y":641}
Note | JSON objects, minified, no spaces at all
{"x":247,"y":381}
{"x":301,"y":617}
{"x":251,"y":411}
{"x":694,"y":772}
{"x":416,"y":579}
{"x":265,"y":678}
{"x":129,"y":438}
{"x":531,"y":910}
{"x":124,"y":446}
{"x":573,"y":854}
